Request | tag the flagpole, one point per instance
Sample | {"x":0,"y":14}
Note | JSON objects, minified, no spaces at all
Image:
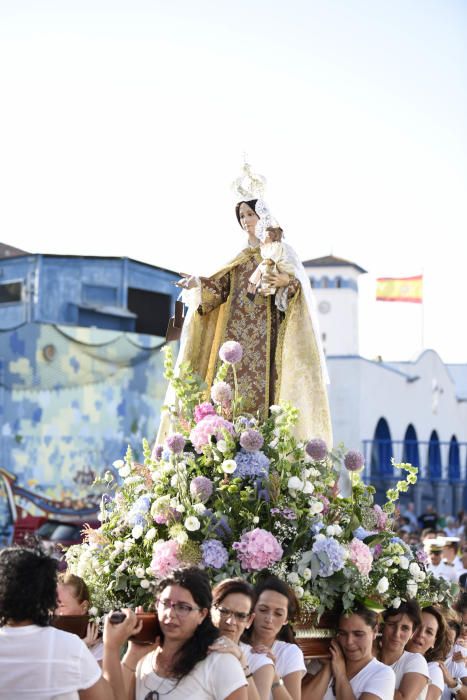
{"x":422,"y":312}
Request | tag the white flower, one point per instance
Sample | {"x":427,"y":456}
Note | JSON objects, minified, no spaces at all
{"x":440,"y":597}
{"x":140,"y":572}
{"x":228,"y":466}
{"x":306,"y":575}
{"x":255,"y":520}
{"x":128,"y":545}
{"x":144,"y":583}
{"x":299,"y":591}
{"x":92,"y":612}
{"x":222,"y":446}
{"x":150,"y":534}
{"x":295,"y":484}
{"x":382,"y":585}
{"x":120,"y":568}
{"x":333,"y":530}
{"x":396,"y":602}
{"x":403,"y":563}
{"x":132,"y":480}
{"x":275,"y":409}
{"x":274,"y":442}
{"x":119,"y":545}
{"x":181,"y":537}
{"x":412,"y":588}
{"x":293,"y":577}
{"x":414,"y":569}
{"x":124,"y":471}
{"x":137,"y":532}
{"x":192,"y":523}
{"x":118,"y":464}
{"x":199,"y":508}
{"x":308,"y":487}
{"x":316,"y":507}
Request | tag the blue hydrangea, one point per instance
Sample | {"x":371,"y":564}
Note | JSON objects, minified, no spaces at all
{"x":251,"y":465}
{"x":360,"y":533}
{"x":214,"y":553}
{"x":138,"y":509}
{"x":316,"y":527}
{"x":328,"y":556}
{"x":136,"y":518}
{"x":166,"y":454}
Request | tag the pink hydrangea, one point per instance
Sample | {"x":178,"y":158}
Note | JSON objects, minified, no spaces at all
{"x":360,"y":555}
{"x":221,"y":392}
{"x":381,"y":517}
{"x":258,"y":549}
{"x":209,"y":426}
{"x":231,"y":352}
{"x":164,"y":559}
{"x":204,"y":409}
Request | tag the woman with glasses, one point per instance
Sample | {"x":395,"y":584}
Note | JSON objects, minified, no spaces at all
{"x":181,"y":664}
{"x":232,"y":614}
{"x":271,"y":634}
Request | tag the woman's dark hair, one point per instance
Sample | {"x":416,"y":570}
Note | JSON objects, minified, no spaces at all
{"x":80,"y":589}
{"x":233,"y":585}
{"x":250,"y":202}
{"x":195,"y":649}
{"x":370,"y":617}
{"x":409,"y":607}
{"x":442,"y":645}
{"x":272,"y":583}
{"x":28,"y":586}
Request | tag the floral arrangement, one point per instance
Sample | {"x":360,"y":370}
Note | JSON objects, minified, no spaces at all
{"x":240,"y":496}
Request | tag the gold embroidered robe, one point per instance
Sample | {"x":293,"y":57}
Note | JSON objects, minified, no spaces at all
{"x":280,"y":354}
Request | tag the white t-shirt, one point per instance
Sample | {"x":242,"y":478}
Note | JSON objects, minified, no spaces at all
{"x":457,"y":670}
{"x":410,"y":662}
{"x":255,"y":661}
{"x":214,"y":678}
{"x":375,"y":678}
{"x":289,"y":658}
{"x":436,"y":675}
{"x":44,"y":663}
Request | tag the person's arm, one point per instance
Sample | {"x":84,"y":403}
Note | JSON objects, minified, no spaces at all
{"x":99,"y":691}
{"x":434,"y":693}
{"x":115,"y":635}
{"x":214,"y":292}
{"x":411,"y":686}
{"x":239,"y":694}
{"x":314,"y":687}
{"x":263,"y":679}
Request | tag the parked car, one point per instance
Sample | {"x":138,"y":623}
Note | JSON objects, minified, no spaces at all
{"x":58,"y":535}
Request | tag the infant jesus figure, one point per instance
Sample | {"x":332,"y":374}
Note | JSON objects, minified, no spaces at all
{"x":274,"y":259}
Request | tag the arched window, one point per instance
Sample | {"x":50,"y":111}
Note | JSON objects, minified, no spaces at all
{"x":454,"y":465}
{"x":411,"y":454}
{"x":338,"y":282}
{"x":325,"y":282}
{"x":381,"y":452}
{"x":434,"y":456}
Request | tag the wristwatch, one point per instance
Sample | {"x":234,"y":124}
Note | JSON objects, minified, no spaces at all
{"x":280,"y":682}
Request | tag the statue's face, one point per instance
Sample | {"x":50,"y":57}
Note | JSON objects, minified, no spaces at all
{"x":248,"y":218}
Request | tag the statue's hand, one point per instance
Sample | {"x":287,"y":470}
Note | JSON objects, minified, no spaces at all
{"x":187,"y":281}
{"x":276,"y":279}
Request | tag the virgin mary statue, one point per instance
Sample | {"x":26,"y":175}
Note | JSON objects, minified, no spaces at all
{"x":276,"y":325}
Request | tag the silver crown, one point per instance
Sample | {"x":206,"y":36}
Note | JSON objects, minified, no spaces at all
{"x":249,"y":185}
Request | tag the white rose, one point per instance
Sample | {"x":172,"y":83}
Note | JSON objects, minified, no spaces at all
{"x":396,"y":602}
{"x":306,"y":575}
{"x":222,"y":446}
{"x":403,"y":562}
{"x":295,"y":484}
{"x":382,"y":585}
{"x":316,"y":507}
{"x":137,"y":532}
{"x":118,"y":464}
{"x":140,"y":572}
{"x":228,"y":466}
{"x":293,"y":577}
{"x":192,"y":523}
{"x":150,"y":534}
{"x":124,"y":471}
{"x":308,"y":487}
{"x":144,"y":583}
{"x":412,"y":588}
{"x":299,"y":591}
{"x":199,"y":508}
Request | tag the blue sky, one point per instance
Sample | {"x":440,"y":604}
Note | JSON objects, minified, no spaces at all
{"x":124,"y":123}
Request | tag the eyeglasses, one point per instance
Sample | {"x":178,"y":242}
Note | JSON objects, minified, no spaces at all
{"x":181,"y":609}
{"x":239,"y":616}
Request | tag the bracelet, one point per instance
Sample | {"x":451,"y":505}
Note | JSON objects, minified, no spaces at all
{"x":133,"y":670}
{"x":277,"y":684}
{"x":248,"y":675}
{"x":245,"y":668}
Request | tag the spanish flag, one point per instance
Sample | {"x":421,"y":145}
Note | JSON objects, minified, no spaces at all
{"x":400,"y":289}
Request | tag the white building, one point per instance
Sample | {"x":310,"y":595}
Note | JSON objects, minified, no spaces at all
{"x":414,"y":411}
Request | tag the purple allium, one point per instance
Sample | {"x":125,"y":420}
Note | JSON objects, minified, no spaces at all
{"x":251,"y":465}
{"x":251,"y":440}
{"x":201,"y":488}
{"x":214,"y":554}
{"x":329,"y":554}
{"x":175,"y":443}
{"x":221,"y":392}
{"x":157,"y":452}
{"x":204,"y":409}
{"x":317,"y":450}
{"x":231,"y":352}
{"x":353,"y":461}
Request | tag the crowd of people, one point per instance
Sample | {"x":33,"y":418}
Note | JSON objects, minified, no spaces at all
{"x":227,"y":641}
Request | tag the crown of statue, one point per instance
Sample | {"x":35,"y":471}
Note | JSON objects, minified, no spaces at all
{"x":249,"y":185}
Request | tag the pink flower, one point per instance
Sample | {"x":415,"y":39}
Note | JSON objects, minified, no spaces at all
{"x":353,"y":461}
{"x":381,"y":517}
{"x":361,"y":556}
{"x":257,"y":550}
{"x":231,"y":352}
{"x":164,"y":559}
{"x":209,"y":426}
{"x":204,"y":409}
{"x":221,"y":392}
